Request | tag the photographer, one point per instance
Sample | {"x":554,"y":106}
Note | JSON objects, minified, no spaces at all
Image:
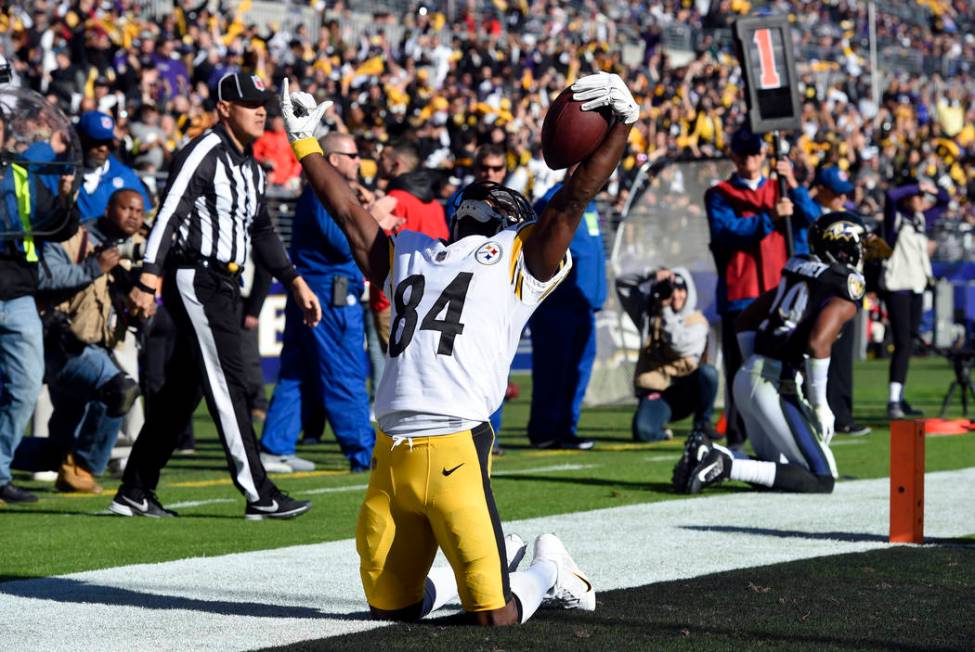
{"x":670,"y":380}
{"x":83,"y":282}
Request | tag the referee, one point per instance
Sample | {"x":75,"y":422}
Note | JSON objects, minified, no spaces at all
{"x":212,"y":212}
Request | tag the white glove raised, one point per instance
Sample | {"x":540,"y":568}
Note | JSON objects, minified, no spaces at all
{"x":827,"y":422}
{"x":300,"y":112}
{"x":606,"y":89}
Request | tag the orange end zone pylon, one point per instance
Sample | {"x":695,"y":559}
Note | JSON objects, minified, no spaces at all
{"x":907,"y":481}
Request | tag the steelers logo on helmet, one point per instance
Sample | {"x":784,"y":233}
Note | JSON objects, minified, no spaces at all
{"x":485,"y":208}
{"x":838,"y":238}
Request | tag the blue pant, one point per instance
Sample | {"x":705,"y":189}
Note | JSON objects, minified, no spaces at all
{"x":692,"y":394}
{"x":79,"y":423}
{"x":563,"y":350}
{"x":377,"y":358}
{"x":323,"y":364}
{"x":21,"y":374}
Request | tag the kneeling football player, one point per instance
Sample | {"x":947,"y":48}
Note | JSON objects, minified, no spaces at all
{"x":459,"y":308}
{"x":784,"y":333}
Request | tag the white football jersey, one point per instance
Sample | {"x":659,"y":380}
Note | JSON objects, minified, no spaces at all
{"x":457,"y":316}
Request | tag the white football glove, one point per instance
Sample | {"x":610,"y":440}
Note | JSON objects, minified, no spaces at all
{"x":300,"y":112}
{"x":606,"y":89}
{"x":827,"y":422}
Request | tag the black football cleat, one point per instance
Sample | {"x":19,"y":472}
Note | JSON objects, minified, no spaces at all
{"x":714,"y":469}
{"x":136,"y":502}
{"x":278,"y":505}
{"x":698,"y":445}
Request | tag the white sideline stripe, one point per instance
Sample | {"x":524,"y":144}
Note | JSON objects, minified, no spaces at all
{"x":197,"y":503}
{"x":265,"y":598}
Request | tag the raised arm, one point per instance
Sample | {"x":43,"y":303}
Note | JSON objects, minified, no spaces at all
{"x":557,"y":224}
{"x":370,"y":246}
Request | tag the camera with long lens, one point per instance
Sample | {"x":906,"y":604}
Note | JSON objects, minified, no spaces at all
{"x":129,"y":250}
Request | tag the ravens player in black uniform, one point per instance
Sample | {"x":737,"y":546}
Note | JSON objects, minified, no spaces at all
{"x":787,"y":331}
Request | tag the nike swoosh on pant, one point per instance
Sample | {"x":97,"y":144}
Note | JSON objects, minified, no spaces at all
{"x":447,"y":472}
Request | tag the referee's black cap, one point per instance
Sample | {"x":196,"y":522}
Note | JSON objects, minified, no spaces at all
{"x":240,"y":87}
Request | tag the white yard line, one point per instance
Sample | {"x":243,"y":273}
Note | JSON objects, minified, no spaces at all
{"x":199,"y":503}
{"x":554,"y":468}
{"x":275,"y":597}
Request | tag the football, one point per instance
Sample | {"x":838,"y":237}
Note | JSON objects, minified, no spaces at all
{"x":570,"y":134}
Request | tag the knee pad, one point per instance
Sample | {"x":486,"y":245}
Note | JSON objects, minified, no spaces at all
{"x":118,"y":395}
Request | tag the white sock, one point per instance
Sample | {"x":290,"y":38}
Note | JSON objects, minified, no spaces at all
{"x":530,"y":586}
{"x":754,"y":471}
{"x":441,"y":588}
{"x":896,"y":392}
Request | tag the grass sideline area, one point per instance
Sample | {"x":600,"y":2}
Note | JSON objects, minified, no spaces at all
{"x":66,"y":533}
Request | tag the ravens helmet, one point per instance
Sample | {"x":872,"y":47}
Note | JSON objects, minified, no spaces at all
{"x":491,"y":206}
{"x":838,"y":237}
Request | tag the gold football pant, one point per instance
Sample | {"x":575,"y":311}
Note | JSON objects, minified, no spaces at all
{"x":426,"y":492}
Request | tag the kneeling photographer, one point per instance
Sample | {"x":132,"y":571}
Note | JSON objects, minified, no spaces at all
{"x":670,"y":382}
{"x":83,"y":282}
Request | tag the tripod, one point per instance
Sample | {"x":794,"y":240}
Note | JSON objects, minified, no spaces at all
{"x":962,"y":360}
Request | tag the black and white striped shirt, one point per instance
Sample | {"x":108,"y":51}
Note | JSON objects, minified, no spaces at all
{"x":214,"y":208}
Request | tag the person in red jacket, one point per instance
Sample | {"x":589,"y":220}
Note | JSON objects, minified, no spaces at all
{"x":273,"y":151}
{"x":745,"y":215}
{"x":414,"y":190}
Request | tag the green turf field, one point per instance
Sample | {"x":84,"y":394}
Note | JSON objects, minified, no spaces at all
{"x":65,"y":533}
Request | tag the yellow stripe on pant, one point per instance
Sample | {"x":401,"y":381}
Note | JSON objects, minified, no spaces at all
{"x":426,"y":492}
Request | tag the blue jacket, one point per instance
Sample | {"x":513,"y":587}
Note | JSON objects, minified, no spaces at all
{"x":92,"y":205}
{"x":587,"y":278}
{"x":319,"y":249}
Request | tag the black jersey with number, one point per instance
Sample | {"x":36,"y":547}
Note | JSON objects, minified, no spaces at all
{"x":807,"y":285}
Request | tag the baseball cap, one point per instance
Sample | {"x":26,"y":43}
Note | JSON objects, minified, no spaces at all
{"x":744,"y":142}
{"x":240,"y":87}
{"x":96,"y":125}
{"x":835,"y":180}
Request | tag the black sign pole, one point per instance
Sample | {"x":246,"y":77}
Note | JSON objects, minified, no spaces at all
{"x":790,"y":245}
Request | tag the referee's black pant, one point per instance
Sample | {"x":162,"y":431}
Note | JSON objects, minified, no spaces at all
{"x":839,"y":383}
{"x":206,"y":309}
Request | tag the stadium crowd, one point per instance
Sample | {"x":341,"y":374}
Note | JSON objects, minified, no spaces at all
{"x":488,"y":76}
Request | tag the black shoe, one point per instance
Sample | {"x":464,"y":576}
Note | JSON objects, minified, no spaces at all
{"x":902,"y":410}
{"x":853,"y":429}
{"x":698,"y":445}
{"x":713,"y":469}
{"x":497,"y":451}
{"x":570,"y":443}
{"x":11,"y":494}
{"x":910,"y":411}
{"x":136,"y":502}
{"x":573,"y":443}
{"x":310,"y":441}
{"x":279,"y":505}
